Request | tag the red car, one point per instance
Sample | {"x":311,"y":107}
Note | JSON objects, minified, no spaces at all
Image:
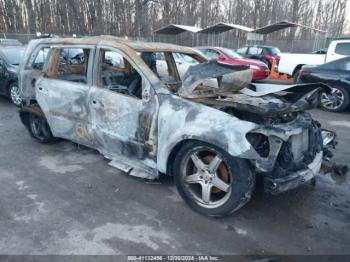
{"x":260,"y":69}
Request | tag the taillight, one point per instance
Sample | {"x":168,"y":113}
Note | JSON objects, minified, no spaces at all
{"x":277,"y":58}
{"x":303,"y":73}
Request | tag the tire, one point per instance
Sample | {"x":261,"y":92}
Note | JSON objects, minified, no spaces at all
{"x":337,"y":102}
{"x":39,"y":128}
{"x":296,"y":76}
{"x":15,"y":94}
{"x":233,"y":176}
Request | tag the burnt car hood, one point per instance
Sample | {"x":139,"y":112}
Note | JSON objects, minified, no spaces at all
{"x":229,"y":78}
{"x":234,"y":89}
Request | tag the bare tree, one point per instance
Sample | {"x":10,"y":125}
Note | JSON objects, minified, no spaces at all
{"x":140,"y":17}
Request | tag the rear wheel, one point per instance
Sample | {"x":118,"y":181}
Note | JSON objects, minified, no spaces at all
{"x":39,"y":128}
{"x":211,"y":181}
{"x":336,"y":101}
{"x":296,"y":76}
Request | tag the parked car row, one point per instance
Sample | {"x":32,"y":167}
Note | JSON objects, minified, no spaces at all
{"x":228,"y":56}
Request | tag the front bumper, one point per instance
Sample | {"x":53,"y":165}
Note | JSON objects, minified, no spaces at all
{"x":275,"y":186}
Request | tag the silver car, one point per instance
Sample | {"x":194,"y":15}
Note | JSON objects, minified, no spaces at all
{"x":213,"y":140}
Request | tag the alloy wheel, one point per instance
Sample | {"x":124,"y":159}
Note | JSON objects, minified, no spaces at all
{"x":334,"y":100}
{"x":207,"y":178}
{"x":15,"y":95}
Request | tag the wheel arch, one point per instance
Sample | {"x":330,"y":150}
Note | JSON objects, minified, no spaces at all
{"x":214,"y":143}
{"x":33,"y":108}
{"x":176,"y":148}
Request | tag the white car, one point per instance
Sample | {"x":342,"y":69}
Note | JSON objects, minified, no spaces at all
{"x":183,"y":62}
{"x":292,"y":63}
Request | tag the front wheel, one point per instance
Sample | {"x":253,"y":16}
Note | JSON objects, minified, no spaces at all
{"x":211,"y":181}
{"x":336,"y":101}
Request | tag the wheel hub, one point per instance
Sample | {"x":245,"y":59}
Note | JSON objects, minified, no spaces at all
{"x":222,"y":173}
{"x":207,"y":177}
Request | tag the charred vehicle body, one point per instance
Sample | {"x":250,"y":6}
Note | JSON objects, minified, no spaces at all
{"x":211,"y":129}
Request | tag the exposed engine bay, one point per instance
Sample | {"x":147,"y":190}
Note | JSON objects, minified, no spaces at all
{"x":288,"y":139}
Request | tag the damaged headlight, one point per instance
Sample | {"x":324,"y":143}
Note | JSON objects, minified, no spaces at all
{"x":260,"y":143}
{"x":328,"y":138}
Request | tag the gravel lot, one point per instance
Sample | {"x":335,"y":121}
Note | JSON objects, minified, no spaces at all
{"x":64,"y":199}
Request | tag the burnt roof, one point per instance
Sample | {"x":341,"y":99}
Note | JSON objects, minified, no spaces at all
{"x":108,"y":39}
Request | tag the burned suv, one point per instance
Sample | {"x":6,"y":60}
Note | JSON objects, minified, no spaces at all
{"x":211,"y":129}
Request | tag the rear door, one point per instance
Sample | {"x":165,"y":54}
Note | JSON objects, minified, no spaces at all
{"x":62,"y":93}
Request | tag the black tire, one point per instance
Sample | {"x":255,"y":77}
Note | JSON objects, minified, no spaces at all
{"x":342,"y":106}
{"x":238,"y":174}
{"x":296,"y":76}
{"x":39,"y":128}
{"x":14,"y":94}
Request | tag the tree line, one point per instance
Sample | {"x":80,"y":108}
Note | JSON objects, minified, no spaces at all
{"x":139,"y":18}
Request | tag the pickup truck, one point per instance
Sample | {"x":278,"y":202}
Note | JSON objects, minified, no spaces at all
{"x":292,"y":63}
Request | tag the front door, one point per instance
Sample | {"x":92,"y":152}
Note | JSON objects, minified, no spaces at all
{"x":123,"y":107}
{"x":62,"y":94}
